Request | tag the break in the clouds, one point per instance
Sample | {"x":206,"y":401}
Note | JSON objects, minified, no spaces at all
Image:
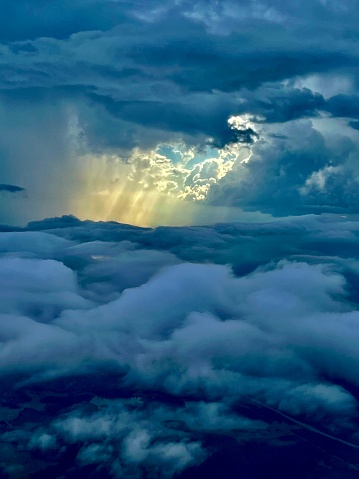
{"x":139,"y":352}
{"x":178,"y":112}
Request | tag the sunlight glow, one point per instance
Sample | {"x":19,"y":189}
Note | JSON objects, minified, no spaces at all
{"x":165,"y":186}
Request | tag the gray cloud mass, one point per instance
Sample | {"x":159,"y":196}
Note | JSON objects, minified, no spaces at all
{"x":200,"y":319}
{"x":143,"y":74}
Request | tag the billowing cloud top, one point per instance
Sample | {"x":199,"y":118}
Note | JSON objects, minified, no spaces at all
{"x":178,"y":112}
{"x":139,"y":352}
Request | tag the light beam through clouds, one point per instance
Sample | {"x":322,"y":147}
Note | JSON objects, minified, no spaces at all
{"x":148,"y":188}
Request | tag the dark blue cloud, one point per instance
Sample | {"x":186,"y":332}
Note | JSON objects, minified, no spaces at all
{"x":299,"y":172}
{"x":344,"y":105}
{"x":10,"y":188}
{"x":28,"y":20}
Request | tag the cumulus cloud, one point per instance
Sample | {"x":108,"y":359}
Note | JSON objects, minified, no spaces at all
{"x":311,"y":170}
{"x":128,"y":437}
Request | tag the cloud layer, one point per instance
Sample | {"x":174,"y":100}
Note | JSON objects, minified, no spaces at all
{"x":225,"y":315}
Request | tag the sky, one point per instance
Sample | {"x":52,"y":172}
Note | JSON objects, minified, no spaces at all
{"x":178,"y":112}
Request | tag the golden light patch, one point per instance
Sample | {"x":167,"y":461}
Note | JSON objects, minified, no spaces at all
{"x":149,"y":189}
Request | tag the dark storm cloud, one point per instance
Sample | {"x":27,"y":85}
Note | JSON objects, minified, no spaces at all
{"x":283,"y":103}
{"x":300,"y":171}
{"x":193,"y":119}
{"x":28,"y":20}
{"x":140,"y":74}
{"x":148,"y":69}
{"x":4,"y":188}
{"x":344,"y":105}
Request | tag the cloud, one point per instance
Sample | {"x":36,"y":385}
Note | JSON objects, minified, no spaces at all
{"x":119,"y":78}
{"x":10,"y":188}
{"x":195,"y":329}
{"x":48,"y":20}
{"x":311,"y":169}
{"x":124,"y":436}
{"x":131,"y":312}
{"x":122,"y":347}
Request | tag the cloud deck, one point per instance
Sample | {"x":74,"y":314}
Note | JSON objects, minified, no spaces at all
{"x":124,"y":345}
